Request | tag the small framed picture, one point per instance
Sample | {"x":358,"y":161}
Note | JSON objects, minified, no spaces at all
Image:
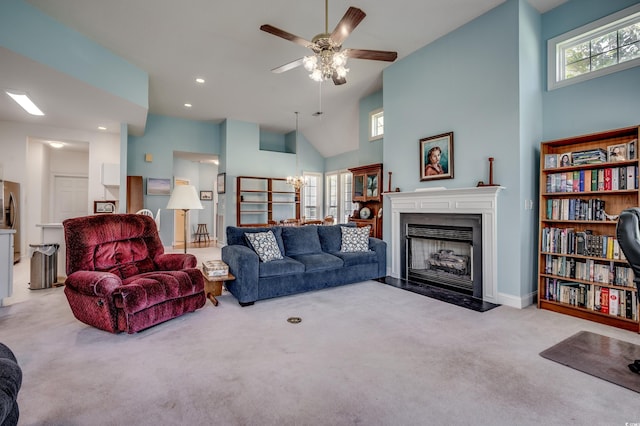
{"x":108,"y":206}
{"x":564,"y":159}
{"x":550,"y":161}
{"x":206,"y":195}
{"x":631,"y":149}
{"x":221,"y":183}
{"x":617,"y":152}
{"x":436,"y":157}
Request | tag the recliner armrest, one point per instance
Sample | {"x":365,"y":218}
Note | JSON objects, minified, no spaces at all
{"x":93,"y":283}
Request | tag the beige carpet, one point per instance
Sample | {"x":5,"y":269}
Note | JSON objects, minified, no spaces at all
{"x":600,"y":356}
{"x":365,"y":353}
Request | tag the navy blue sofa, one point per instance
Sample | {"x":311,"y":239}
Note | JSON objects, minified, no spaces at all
{"x":312,"y":260}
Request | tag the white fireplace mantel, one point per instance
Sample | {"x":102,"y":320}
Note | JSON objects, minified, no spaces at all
{"x":480,"y":200}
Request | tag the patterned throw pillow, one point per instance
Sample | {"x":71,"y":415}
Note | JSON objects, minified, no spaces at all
{"x":354,"y":239}
{"x":265,"y":245}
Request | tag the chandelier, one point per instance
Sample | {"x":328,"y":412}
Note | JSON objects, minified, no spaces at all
{"x":326,"y":64}
{"x":296,"y":181}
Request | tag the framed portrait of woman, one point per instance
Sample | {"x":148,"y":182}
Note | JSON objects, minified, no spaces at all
{"x":436,"y":157}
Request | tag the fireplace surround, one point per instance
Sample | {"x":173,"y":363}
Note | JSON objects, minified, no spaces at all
{"x":480,"y":201}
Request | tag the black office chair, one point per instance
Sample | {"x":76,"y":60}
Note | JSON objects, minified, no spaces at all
{"x":628,"y":235}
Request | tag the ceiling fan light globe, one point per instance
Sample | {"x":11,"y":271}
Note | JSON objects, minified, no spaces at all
{"x":342,"y":71}
{"x":339,"y":60}
{"x":316,"y":75}
{"x":310,"y":63}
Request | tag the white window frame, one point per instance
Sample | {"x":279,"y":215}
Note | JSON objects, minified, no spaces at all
{"x":343,"y":213}
{"x":557,"y":45}
{"x":318,"y":195}
{"x":376,"y":130}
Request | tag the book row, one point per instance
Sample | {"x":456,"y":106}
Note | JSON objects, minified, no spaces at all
{"x":606,"y":179}
{"x":583,"y":243}
{"x":615,"y":302}
{"x":589,"y":270}
{"x":575,"y":209}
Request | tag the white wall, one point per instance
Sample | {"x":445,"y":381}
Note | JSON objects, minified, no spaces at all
{"x":24,"y":162}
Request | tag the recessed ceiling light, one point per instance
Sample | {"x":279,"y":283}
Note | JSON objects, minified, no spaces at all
{"x":188,"y":105}
{"x":102,"y":128}
{"x":56,"y":145}
{"x":26,"y":103}
{"x":199,"y":80}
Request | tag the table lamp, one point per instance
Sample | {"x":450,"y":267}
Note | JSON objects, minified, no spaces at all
{"x":185,"y":198}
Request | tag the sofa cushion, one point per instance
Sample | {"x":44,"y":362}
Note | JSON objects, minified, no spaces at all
{"x":284,"y":266}
{"x":236,"y":235}
{"x":355,"y":239}
{"x":300,"y":240}
{"x":265,"y":245}
{"x":331,"y":236}
{"x":357,"y":258}
{"x":319,"y":261}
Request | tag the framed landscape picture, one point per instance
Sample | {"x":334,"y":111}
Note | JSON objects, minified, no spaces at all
{"x":157,"y":186}
{"x":206,"y":195}
{"x":436,"y":157}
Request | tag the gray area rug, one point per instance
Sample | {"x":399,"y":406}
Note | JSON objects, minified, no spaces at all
{"x":601,"y":356}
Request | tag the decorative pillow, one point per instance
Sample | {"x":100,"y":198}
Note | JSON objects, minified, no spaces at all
{"x":355,"y":239}
{"x":265,"y":245}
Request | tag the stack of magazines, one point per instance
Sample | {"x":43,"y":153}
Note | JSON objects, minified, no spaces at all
{"x":591,"y":156}
{"x":215,"y":268}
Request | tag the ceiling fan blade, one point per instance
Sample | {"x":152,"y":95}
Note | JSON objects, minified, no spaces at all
{"x":376,"y":55}
{"x":338,"y":80}
{"x":285,"y":35}
{"x":349,"y":21}
{"x":289,"y":66}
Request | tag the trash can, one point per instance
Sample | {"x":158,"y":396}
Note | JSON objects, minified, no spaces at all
{"x":44,"y":265}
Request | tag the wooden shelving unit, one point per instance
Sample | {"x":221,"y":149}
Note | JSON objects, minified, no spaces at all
{"x":367,"y":192}
{"x":261,"y":201}
{"x":582,"y":272}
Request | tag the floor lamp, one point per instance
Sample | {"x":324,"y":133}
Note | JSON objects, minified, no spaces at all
{"x":185,"y":198}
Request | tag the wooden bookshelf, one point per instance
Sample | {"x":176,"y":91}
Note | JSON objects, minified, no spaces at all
{"x":581,"y":270}
{"x":261,"y":201}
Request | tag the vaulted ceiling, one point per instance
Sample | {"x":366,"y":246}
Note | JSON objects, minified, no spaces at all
{"x":220,"y":41}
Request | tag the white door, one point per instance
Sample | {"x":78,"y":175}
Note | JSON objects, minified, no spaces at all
{"x":71,"y":197}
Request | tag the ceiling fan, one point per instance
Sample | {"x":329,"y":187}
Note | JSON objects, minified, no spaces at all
{"x":329,"y":58}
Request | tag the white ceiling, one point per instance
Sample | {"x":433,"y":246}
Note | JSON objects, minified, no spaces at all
{"x":220,"y":41}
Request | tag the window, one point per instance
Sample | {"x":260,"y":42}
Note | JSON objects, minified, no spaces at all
{"x":376,"y":124}
{"x":607,"y":45}
{"x":338,"y":196}
{"x":311,"y":193}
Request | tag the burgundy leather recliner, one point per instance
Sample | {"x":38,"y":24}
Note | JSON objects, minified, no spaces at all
{"x":120,"y":279}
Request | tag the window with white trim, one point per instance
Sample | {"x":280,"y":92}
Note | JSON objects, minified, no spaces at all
{"x":312,"y":196}
{"x":602,"y":47}
{"x":376,"y":124}
{"x":338,"y":195}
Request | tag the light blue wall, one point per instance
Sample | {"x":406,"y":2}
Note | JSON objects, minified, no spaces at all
{"x":31,"y":33}
{"x":162,"y":137}
{"x":270,"y":141}
{"x":603,"y":103}
{"x":466,"y":82}
{"x":530,"y":82}
{"x":367,"y":152}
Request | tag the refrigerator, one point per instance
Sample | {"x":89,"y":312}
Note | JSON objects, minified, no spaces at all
{"x":10,"y":217}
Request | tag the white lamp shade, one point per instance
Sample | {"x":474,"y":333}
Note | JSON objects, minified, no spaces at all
{"x":184,"y":197}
